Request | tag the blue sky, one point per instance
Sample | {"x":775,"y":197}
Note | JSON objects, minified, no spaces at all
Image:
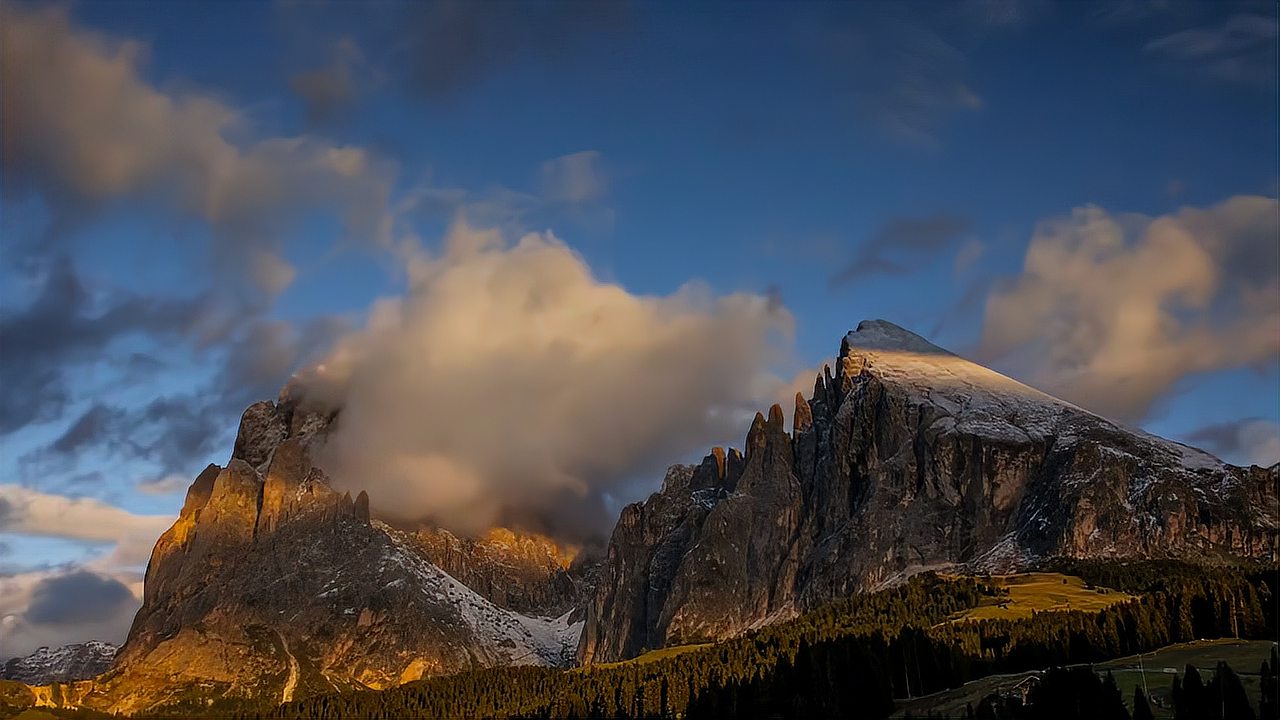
{"x":841,"y":161}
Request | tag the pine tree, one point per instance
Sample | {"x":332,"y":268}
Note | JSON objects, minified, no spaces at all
{"x":1228,"y":692}
{"x":1141,"y":708}
{"x":1268,"y":704}
{"x":1111,"y":702}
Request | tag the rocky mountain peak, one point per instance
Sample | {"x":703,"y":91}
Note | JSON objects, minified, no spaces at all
{"x":912,"y":458}
{"x":272,"y":582}
{"x":261,"y":430}
{"x":802,"y":418}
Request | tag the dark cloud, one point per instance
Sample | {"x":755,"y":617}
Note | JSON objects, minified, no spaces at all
{"x":447,"y":47}
{"x":329,"y":91}
{"x":903,"y":239}
{"x":1247,"y":441}
{"x":261,"y":358}
{"x":77,"y":597}
{"x":180,"y":431}
{"x":65,"y":326}
{"x":906,"y":75}
{"x":87,"y":429}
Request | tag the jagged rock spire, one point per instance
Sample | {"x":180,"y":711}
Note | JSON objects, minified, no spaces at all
{"x":755,"y":436}
{"x":803,"y":418}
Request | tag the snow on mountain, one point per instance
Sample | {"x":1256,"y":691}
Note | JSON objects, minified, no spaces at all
{"x":980,"y":401}
{"x":79,"y":661}
{"x":504,"y":636}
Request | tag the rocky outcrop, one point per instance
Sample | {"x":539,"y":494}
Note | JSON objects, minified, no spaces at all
{"x":907,"y":458}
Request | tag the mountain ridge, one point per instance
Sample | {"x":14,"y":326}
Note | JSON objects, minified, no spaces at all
{"x":77,"y":661}
{"x":909,"y":457}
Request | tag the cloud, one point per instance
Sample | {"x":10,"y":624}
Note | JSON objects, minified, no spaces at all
{"x":442,"y":49}
{"x":83,"y":128}
{"x":164,"y":485}
{"x":56,"y":607}
{"x":902,"y":239}
{"x":512,"y":385}
{"x":177,"y":433}
{"x":1252,"y":441}
{"x":907,"y":72}
{"x":968,"y":254}
{"x":572,"y":188}
{"x":77,"y":597}
{"x":1241,"y":49}
{"x":1112,"y":311}
{"x":576,"y":178}
{"x":66,"y":324}
{"x":86,"y":520}
{"x":92,"y":599}
{"x":330,"y":90}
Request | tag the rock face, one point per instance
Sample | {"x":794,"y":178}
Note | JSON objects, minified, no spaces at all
{"x":271,"y":585}
{"x":64,"y":664}
{"x":527,"y":573}
{"x":908,"y":458}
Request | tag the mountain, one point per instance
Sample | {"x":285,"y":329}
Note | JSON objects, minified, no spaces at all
{"x":79,"y":661}
{"x":908,"y":458}
{"x":272,"y":585}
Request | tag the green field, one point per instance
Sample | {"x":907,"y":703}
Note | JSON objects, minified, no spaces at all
{"x":653,"y":655}
{"x":1041,"y":592}
{"x":1244,"y":656}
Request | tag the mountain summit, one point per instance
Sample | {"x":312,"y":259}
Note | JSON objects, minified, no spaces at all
{"x":907,"y":458}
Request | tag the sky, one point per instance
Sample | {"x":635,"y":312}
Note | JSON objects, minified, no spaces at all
{"x":540,"y":251}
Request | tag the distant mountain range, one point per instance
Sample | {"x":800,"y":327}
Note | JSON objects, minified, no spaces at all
{"x":907,"y":457}
{"x":79,"y":661}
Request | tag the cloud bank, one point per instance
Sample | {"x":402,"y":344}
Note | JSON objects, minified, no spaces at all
{"x":511,"y":386}
{"x":83,"y":127}
{"x":91,"y":600}
{"x":1113,"y":311}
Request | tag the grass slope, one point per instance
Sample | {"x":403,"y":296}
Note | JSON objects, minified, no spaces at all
{"x":1029,"y":593}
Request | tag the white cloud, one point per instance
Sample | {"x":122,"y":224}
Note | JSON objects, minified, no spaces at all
{"x":91,"y":600}
{"x":163,"y":485}
{"x":1112,"y":311}
{"x":31,"y":512}
{"x":511,"y":380}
